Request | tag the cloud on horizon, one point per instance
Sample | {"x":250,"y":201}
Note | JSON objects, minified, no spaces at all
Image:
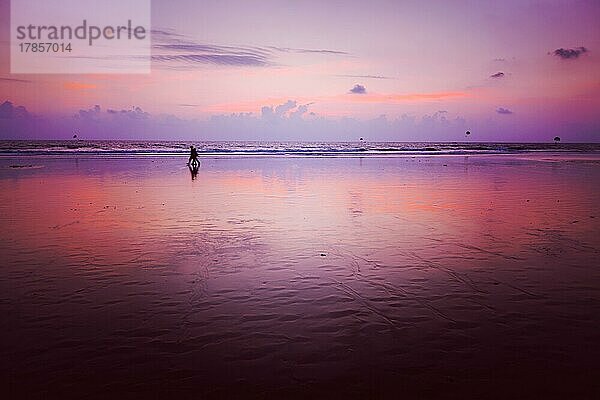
{"x":9,"y":111}
{"x":570,"y":54}
{"x":289,"y":120}
{"x":279,"y":111}
{"x":504,"y":111}
{"x":358,"y":89}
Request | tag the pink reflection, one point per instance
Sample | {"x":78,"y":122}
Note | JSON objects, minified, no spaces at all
{"x":262,"y":262}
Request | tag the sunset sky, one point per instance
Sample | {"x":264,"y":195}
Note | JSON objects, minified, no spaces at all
{"x":515,"y":70}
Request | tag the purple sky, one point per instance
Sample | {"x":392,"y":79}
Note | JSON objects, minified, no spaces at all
{"x":313,"y":70}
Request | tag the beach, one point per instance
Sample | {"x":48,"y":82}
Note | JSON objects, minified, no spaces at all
{"x":423,"y":276}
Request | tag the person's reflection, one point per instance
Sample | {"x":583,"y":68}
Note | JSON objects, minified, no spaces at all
{"x":194,"y":167}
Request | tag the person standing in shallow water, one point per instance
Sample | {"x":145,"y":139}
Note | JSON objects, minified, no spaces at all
{"x":193,"y":160}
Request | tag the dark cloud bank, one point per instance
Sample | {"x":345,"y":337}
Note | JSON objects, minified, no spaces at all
{"x":287,"y":121}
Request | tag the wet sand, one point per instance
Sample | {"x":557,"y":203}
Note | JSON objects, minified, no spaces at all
{"x":305,"y":277}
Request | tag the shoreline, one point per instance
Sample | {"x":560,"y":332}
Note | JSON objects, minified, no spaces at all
{"x":531,"y":155}
{"x":131,"y":148}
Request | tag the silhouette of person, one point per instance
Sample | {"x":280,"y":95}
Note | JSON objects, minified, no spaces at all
{"x":193,"y":160}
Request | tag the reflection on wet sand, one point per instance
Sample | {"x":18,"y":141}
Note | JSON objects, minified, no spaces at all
{"x":194,"y":170}
{"x":290,"y":277}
